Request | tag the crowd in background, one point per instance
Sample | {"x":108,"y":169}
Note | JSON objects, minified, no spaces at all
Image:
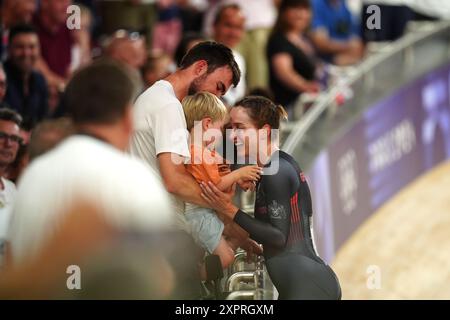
{"x":281,"y":47}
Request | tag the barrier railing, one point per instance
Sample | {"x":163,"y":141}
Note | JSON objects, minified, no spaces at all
{"x":364,"y":76}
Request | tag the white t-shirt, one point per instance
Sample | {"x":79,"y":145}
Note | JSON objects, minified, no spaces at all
{"x":83,"y":168}
{"x":160,"y":126}
{"x":7,"y":196}
{"x":234,"y":94}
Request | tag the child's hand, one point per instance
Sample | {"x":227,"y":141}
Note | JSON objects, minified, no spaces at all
{"x":251,"y":173}
{"x":247,"y":185}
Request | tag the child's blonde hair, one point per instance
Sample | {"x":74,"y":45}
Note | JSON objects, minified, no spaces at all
{"x":202,"y":105}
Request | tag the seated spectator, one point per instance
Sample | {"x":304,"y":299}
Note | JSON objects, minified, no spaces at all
{"x":17,"y":12}
{"x":192,"y":12}
{"x":228,"y":29}
{"x":291,"y":57}
{"x":27,"y":91}
{"x":158,"y":66}
{"x":16,"y":168}
{"x":139,"y":15}
{"x":168,"y":30}
{"x":128,"y":48}
{"x":10,"y":142}
{"x":56,"y":43}
{"x":14,"y":12}
{"x":260,"y":16}
{"x":335,"y":33}
{"x":188,"y":41}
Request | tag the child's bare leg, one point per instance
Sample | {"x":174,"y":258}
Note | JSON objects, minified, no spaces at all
{"x":225,"y":253}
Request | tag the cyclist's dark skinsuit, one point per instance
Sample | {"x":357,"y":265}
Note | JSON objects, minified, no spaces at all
{"x":282,"y":224}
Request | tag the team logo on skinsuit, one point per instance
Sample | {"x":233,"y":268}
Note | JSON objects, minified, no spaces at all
{"x":277,"y":210}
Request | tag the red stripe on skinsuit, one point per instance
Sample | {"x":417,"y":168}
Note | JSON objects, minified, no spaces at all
{"x":294,"y":217}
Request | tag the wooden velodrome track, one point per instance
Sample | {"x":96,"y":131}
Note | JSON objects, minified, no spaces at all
{"x":406,"y":243}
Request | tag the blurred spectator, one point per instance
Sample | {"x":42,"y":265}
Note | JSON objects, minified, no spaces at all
{"x":260,"y":16}
{"x":10,"y":142}
{"x":82,"y":232}
{"x":188,"y":41}
{"x":335,"y":32}
{"x":16,"y":168}
{"x":89,"y":167}
{"x":17,"y":12}
{"x":14,"y":12}
{"x":291,"y":56}
{"x":139,"y":15}
{"x":56,"y":40}
{"x":27,"y":89}
{"x":47,"y":134}
{"x":168,"y":30}
{"x":229,"y":30}
{"x":3,"y":84}
{"x":158,"y":66}
{"x":192,"y":12}
{"x":115,"y":263}
{"x":128,"y":48}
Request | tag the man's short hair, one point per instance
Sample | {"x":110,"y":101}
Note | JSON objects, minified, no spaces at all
{"x":99,"y":93}
{"x":7,"y":114}
{"x":216,"y":56}
{"x":47,"y":134}
{"x":20,"y":29}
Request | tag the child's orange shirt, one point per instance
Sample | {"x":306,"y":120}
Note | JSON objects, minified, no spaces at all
{"x":205,"y":165}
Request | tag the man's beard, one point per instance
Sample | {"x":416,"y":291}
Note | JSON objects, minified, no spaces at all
{"x":196,"y":84}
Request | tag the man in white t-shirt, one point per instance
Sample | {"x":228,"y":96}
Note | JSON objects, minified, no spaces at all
{"x":91,"y":167}
{"x":161,"y":137}
{"x":229,"y":28}
{"x":10,"y":141}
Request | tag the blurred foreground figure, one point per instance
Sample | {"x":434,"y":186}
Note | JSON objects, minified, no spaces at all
{"x":88,"y":258}
{"x":89,"y":167}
